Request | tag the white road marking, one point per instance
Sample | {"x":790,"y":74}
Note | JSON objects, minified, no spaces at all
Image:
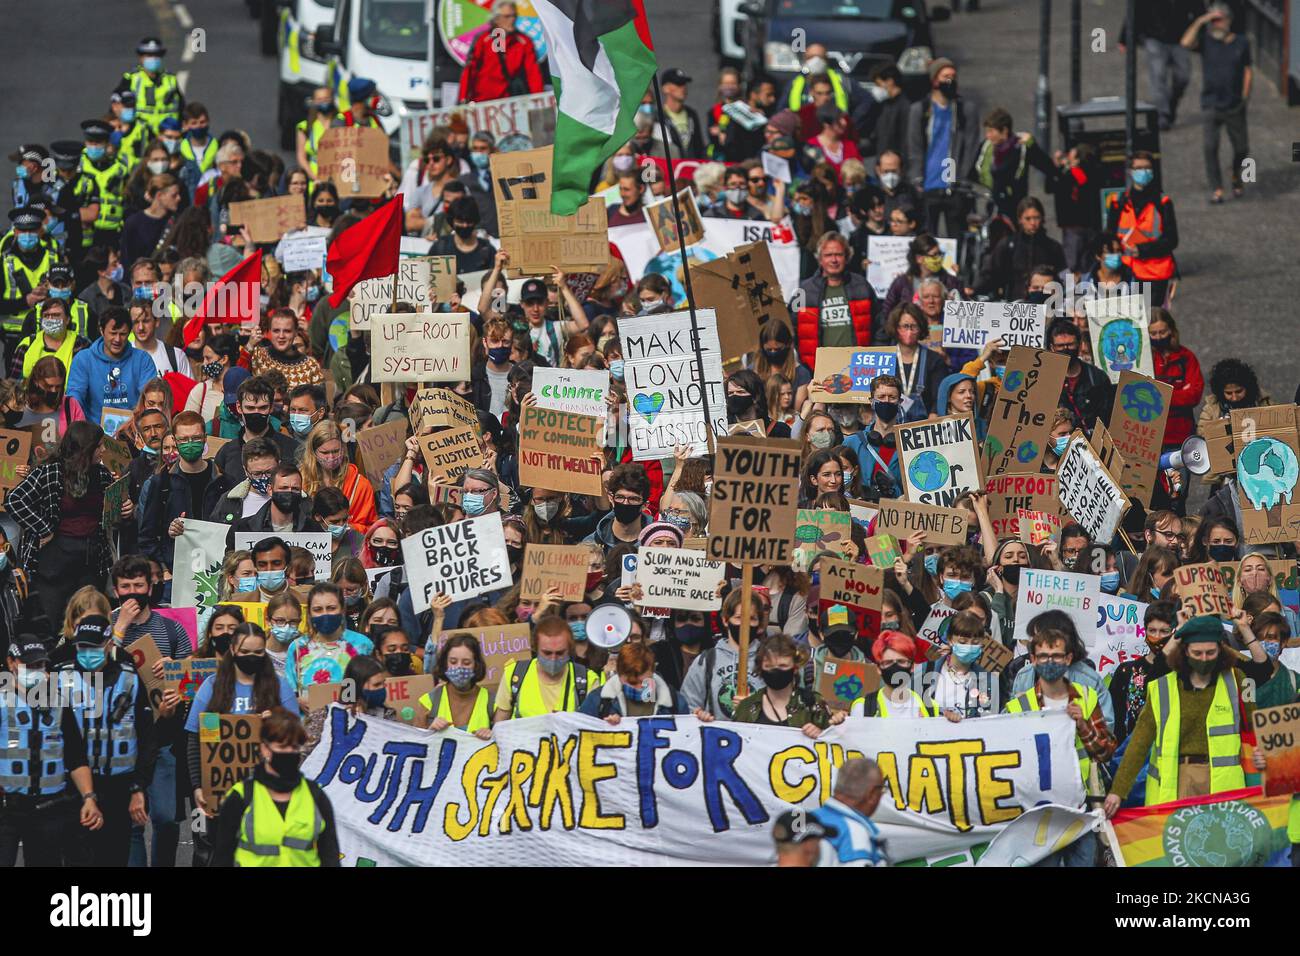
{"x":183,"y":15}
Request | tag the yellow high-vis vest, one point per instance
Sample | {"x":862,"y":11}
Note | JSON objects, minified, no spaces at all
{"x":268,"y":839}
{"x":1222,"y":733}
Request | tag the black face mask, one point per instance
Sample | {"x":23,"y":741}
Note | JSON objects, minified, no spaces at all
{"x":144,"y":599}
{"x":13,"y":418}
{"x":737,"y":405}
{"x":894,"y":674}
{"x":463,"y":233}
{"x":285,"y":767}
{"x":387,"y":557}
{"x":399,"y":665}
{"x":156,"y":592}
{"x":515,"y":554}
{"x":885,"y":411}
{"x":286,"y":502}
{"x":1011,"y":573}
{"x":776,"y":356}
{"x":256,"y":422}
{"x":626,"y":514}
{"x":948,"y":88}
{"x":778,"y":679}
{"x":1162,"y":345}
{"x":221,"y":643}
{"x":328,"y":213}
{"x":840,"y":644}
{"x":249,"y":664}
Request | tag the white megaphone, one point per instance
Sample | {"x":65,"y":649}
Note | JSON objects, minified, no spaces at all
{"x":608,"y":625}
{"x":1194,"y":456}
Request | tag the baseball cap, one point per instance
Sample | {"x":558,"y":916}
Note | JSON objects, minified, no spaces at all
{"x":29,"y":649}
{"x":532,"y":290}
{"x":359,"y":88}
{"x":796,"y":826}
{"x":674,"y":75}
{"x":93,"y":630}
{"x":29,"y":151}
{"x":61,"y":272}
{"x":836,"y":619}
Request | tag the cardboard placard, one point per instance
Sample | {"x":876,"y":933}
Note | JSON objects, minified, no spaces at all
{"x":970,"y":325}
{"x":1118,"y":327}
{"x":820,"y":531}
{"x":441,"y":406}
{"x":320,"y":696}
{"x":185,"y":676}
{"x":743,"y":289}
{"x":449,"y":454}
{"x":462,"y":560}
{"x":555,"y":565}
{"x":1277,"y":734}
{"x":1076,"y":594}
{"x":1010,"y":494}
{"x":380,"y":447}
{"x":355,"y":159}
{"x":667,"y":390}
{"x":15,"y":450}
{"x":115,"y":454}
{"x":319,"y":543}
{"x":269,"y":219}
{"x":115,"y":496}
{"x":679,"y":578}
{"x":500,"y":644}
{"x":863,"y":513}
{"x":507,"y":119}
{"x":212,"y":444}
{"x":1220,"y":447}
{"x":582,"y":391}
{"x":1137,"y":425}
{"x":442,"y":271}
{"x":1089,"y":493}
{"x":560,"y":451}
{"x":419,"y":347}
{"x":752,"y":502}
{"x":852,"y":584}
{"x":844,"y":375}
{"x":842,"y":682}
{"x":1037,"y":527}
{"x":1104,"y":447}
{"x":113,"y":419}
{"x":144,"y":655}
{"x":883,"y":550}
{"x":439,"y":492}
{"x":996,"y":656}
{"x":1021,"y":420}
{"x":403,"y":696}
{"x":659,"y":214}
{"x":939,"y":459}
{"x":538,"y":240}
{"x":415,"y":284}
{"x":1201,"y":587}
{"x":1267,"y":472}
{"x":902,"y":519}
{"x":229,"y":750}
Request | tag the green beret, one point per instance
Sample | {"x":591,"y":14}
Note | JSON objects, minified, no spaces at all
{"x":1202,"y":628}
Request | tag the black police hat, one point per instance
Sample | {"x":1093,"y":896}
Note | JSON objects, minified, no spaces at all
{"x":29,"y":649}
{"x":674,"y":75}
{"x":66,"y":153}
{"x":126,"y":98}
{"x":27,"y":218}
{"x":796,"y":826}
{"x":96,"y":130}
{"x":151,"y":46}
{"x":61,"y":272}
{"x":93,"y":630}
{"x":29,"y":151}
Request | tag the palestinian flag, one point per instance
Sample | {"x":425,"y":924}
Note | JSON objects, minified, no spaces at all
{"x":1237,"y":828}
{"x":602,"y":61}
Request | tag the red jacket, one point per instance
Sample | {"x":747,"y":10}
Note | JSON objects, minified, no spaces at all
{"x":1179,"y":368}
{"x":483,"y":77}
{"x":862,"y":300}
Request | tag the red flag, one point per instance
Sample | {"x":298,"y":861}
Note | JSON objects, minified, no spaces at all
{"x":368,"y":250}
{"x":235,"y":297}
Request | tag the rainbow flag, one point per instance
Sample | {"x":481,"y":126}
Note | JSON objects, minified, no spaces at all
{"x":1236,"y":828}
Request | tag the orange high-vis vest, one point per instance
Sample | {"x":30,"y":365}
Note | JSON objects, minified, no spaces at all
{"x":1137,"y":229}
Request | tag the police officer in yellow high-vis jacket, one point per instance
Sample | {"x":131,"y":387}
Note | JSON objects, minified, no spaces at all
{"x":24,"y":266}
{"x":134,"y":134}
{"x":277,"y":817}
{"x":320,"y":117}
{"x":551,"y":682}
{"x":157,"y":93}
{"x":109,"y":174}
{"x":1189,"y":734}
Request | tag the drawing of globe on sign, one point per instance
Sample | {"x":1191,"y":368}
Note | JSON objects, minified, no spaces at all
{"x":461,"y":21}
{"x":929,"y":471}
{"x":1267,"y":471}
{"x":1142,"y":401}
{"x":1219,"y":834}
{"x":1121,"y":344}
{"x":669,"y":265}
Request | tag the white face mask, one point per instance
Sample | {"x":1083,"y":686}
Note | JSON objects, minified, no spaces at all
{"x":158,"y":166}
{"x":889,"y":180}
{"x":814,"y":65}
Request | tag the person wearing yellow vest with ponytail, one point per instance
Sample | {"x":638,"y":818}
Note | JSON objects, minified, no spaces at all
{"x":1143,"y":218}
{"x":277,"y":817}
{"x":459,"y":701}
{"x":551,"y":682}
{"x":1189,"y":733}
{"x":895,"y":654}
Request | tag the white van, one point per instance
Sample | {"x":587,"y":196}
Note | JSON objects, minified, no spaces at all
{"x":302,"y":64}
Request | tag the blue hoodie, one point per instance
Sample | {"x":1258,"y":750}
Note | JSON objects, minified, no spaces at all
{"x":91,"y":380}
{"x":945,"y":389}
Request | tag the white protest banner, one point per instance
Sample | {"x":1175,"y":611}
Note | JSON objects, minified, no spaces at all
{"x":679,"y":578}
{"x":888,"y":259}
{"x":775,"y":166}
{"x":1120,"y":343}
{"x":934,"y":628}
{"x":969,"y":324}
{"x":569,"y":790}
{"x":506,"y":119}
{"x":572,"y":390}
{"x":1076,"y":594}
{"x":1121,"y":635}
{"x":461,"y":560}
{"x":303,"y":249}
{"x":666,"y":388}
{"x":641,"y":254}
{"x":415,"y":282}
{"x":1088,"y":492}
{"x":419,"y":347}
{"x":196,"y":566}
{"x":940,"y":459}
{"x":317,"y":542}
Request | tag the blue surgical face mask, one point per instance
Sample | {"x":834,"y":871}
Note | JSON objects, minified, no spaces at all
{"x":480,"y":160}
{"x":171,"y":145}
{"x":64,"y":294}
{"x":91,"y":658}
{"x":1143,"y":177}
{"x":374,"y":698}
{"x":967,"y":653}
{"x":22,"y":172}
{"x":244,"y":585}
{"x":128,"y":114}
{"x":952,"y":588}
{"x":301,"y":424}
{"x":801,"y":209}
{"x":473,"y":503}
{"x":931,"y":564}
{"x":641,"y":695}
{"x":271,"y":580}
{"x":313,"y":293}
{"x":1059,"y":444}
{"x":616,"y":369}
{"x":551,"y":667}
{"x":1110,"y":582}
{"x":95,"y":153}
{"x":1112,"y":261}
{"x":4,"y":560}
{"x":284,"y":633}
{"x":117,"y":272}
{"x":152,"y":63}
{"x":1155,"y":594}
{"x":579,"y":629}
{"x":337,"y":530}
{"x":27,"y":241}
